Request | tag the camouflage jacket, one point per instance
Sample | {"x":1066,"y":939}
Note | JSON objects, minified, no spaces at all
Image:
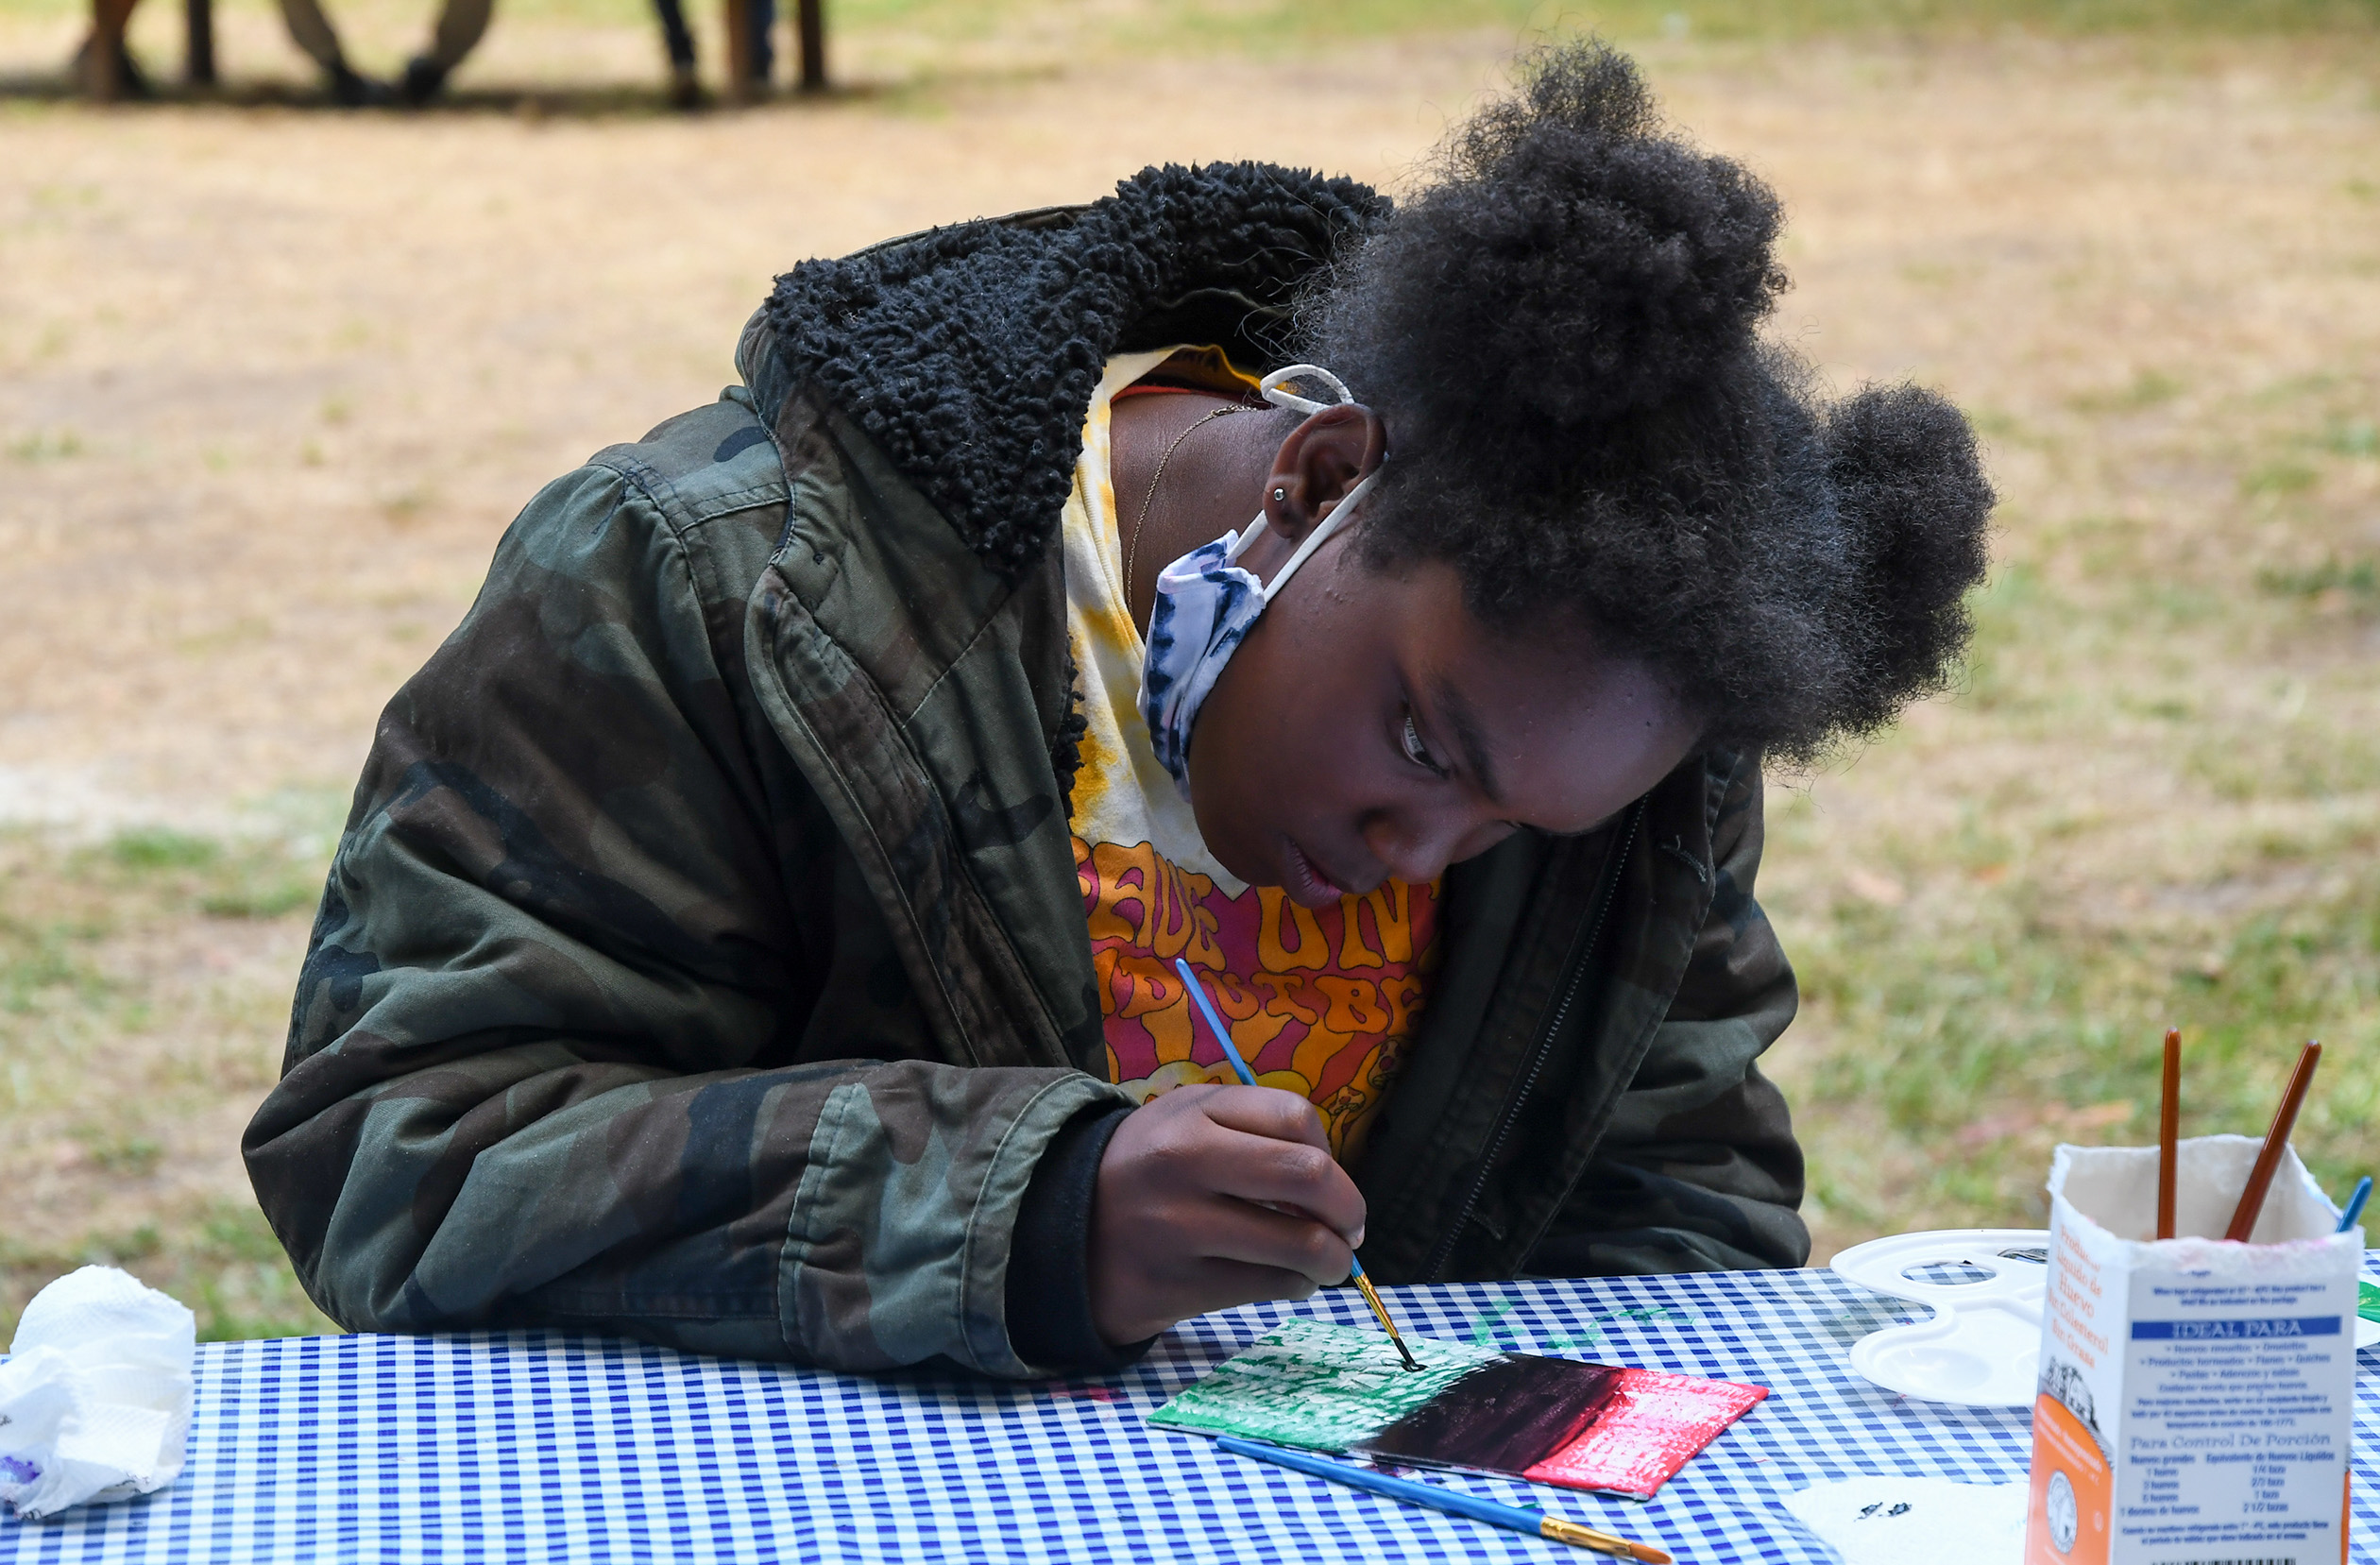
{"x":703,"y":958}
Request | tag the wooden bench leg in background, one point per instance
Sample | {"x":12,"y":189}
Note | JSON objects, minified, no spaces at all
{"x":811,"y":25}
{"x":198,"y":65}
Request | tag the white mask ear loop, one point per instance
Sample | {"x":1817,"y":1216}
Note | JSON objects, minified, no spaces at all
{"x":1271,"y":390}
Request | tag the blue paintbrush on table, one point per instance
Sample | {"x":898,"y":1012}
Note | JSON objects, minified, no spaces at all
{"x":1535,"y":1523}
{"x":1223,"y":1036}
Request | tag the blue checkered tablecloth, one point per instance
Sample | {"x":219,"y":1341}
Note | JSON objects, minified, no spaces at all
{"x":535,"y":1447}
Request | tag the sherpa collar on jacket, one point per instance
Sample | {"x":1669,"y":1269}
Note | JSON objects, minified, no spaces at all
{"x":968,"y":354}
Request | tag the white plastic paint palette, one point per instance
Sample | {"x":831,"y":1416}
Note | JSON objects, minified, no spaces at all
{"x":1982,"y":1348}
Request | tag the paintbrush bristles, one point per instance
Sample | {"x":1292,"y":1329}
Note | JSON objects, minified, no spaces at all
{"x":1371,"y":1296}
{"x":1601,"y":1543}
{"x":2252,"y":1199}
{"x":2170,"y":1133}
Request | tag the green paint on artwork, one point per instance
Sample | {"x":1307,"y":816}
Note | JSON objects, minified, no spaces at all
{"x":2367,"y":1301}
{"x":1319,"y":1386}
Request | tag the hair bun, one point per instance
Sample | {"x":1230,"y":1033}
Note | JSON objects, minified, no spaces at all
{"x":1915,"y":508}
{"x":1597,"y":263}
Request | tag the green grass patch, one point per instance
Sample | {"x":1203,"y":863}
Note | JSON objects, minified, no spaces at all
{"x":118,"y":1151}
{"x":2283,"y":477}
{"x":1971,"y":1048}
{"x":159,"y":848}
{"x":45,"y":962}
{"x":115,"y":1027}
{"x":2353,"y":578}
{"x":41,"y":445}
{"x":220,"y":1259}
{"x":2352,"y":437}
{"x":2147,"y":390}
{"x":2023,"y":627}
{"x":241,"y":878}
{"x":69,"y":917}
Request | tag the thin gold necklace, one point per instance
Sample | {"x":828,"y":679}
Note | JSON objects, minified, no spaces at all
{"x":1131,"y":547}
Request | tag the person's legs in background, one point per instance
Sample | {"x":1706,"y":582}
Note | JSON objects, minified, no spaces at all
{"x":763,"y":42}
{"x":129,"y":71}
{"x":461,"y":25}
{"x":312,"y":31}
{"x":686,"y":89}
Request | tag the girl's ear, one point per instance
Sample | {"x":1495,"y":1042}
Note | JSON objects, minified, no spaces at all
{"x":1317,"y":463}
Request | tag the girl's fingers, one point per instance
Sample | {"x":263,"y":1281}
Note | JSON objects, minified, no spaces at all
{"x":1284,"y":1174}
{"x":1266,"y":1112}
{"x":1253,"y":1236}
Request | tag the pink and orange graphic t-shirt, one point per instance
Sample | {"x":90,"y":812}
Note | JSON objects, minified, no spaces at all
{"x":1323,"y":1002}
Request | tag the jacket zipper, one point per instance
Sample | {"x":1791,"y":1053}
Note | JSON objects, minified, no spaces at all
{"x":1570,"y":984}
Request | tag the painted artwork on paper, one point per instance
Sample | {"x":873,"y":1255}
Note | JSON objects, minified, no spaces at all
{"x":1552,"y":1420}
{"x":1319,"y":1386}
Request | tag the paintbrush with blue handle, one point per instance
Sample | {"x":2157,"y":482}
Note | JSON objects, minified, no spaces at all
{"x":1223,"y":1036}
{"x":2354,"y":1210}
{"x":1494,"y":1512}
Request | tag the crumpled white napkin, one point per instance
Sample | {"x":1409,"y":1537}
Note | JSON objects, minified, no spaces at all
{"x":1891,"y":1520}
{"x":94,"y":1397}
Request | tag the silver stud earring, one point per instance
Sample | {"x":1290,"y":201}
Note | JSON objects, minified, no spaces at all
{"x":1280,"y":495}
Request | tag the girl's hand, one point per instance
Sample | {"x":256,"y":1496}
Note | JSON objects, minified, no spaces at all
{"x":1209,"y":1197}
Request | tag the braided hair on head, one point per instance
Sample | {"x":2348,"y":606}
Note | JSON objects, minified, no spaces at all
{"x":1561,"y":334}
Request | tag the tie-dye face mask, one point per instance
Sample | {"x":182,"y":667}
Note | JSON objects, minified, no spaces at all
{"x":1207,"y":601}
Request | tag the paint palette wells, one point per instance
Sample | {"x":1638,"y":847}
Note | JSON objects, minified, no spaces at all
{"x":1552,"y":1420}
{"x":1982,"y":1348}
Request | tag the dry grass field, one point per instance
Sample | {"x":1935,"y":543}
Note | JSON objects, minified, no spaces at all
{"x":273,"y":378}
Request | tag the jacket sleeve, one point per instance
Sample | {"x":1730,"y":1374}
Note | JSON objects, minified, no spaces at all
{"x":554,"y":1052}
{"x":1699,"y":1171}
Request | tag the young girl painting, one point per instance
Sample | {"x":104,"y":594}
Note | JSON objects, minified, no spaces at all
{"x":756,"y":930}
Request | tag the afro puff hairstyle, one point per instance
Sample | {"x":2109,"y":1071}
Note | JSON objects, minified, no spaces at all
{"x":1560,"y":335}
